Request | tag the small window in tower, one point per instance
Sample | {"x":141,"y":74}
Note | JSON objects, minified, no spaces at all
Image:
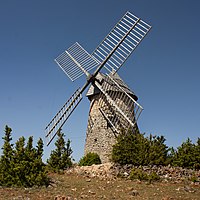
{"x":95,"y":139}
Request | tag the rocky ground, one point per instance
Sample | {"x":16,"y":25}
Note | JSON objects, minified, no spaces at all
{"x":103,"y":182}
{"x":111,"y":171}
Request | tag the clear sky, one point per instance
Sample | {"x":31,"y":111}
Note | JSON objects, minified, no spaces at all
{"x":164,"y":71}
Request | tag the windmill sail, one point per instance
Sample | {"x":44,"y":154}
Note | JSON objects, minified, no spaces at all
{"x":60,"y":118}
{"x":76,"y":61}
{"x":122,"y":40}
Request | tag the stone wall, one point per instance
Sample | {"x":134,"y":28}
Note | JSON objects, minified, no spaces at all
{"x":112,"y":171}
{"x":99,"y":136}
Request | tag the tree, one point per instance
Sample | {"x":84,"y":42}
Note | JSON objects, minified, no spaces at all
{"x":21,"y":165}
{"x":187,"y":155}
{"x":40,"y":148}
{"x":30,"y":152}
{"x":158,"y":151}
{"x":136,"y":149}
{"x":184,"y":154}
{"x":60,"y":158}
{"x":130,"y":148}
{"x":7,"y":147}
{"x":29,"y":168}
{"x":6,"y":161}
{"x":39,"y":172}
{"x":197,"y":155}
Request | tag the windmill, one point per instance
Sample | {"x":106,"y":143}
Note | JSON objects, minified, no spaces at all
{"x":116,"y":102}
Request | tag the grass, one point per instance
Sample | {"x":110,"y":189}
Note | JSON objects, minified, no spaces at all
{"x":80,"y":187}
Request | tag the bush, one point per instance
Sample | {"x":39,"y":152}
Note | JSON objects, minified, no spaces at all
{"x":21,"y":165}
{"x":143,"y":176}
{"x":153,"y":177}
{"x":138,"y":174}
{"x":194,"y":178}
{"x":187,"y":155}
{"x":135,"y":149}
{"x":130,"y":149}
{"x":90,"y":159}
{"x":158,"y":151}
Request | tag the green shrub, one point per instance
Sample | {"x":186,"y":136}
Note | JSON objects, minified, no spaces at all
{"x":153,"y":177}
{"x":194,"y":178}
{"x":136,"y":149}
{"x":143,"y":176}
{"x":138,"y":174}
{"x":131,"y":148}
{"x":90,"y":159}
{"x":187,"y":155}
{"x":21,"y":165}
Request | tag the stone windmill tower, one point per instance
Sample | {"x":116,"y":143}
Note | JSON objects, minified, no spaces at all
{"x":101,"y":132}
{"x":114,"y":106}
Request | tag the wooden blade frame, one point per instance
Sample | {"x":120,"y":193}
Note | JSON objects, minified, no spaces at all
{"x":122,"y":40}
{"x":76,"y":61}
{"x":61,"y":117}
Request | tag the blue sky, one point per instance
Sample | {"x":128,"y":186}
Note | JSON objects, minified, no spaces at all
{"x":164,"y":70}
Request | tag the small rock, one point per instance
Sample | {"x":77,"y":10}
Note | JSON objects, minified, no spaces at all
{"x":167,"y":198}
{"x":59,"y":197}
{"x":84,"y":196}
{"x":134,"y":193}
{"x":188,"y":189}
{"x":126,"y":174}
{"x":130,"y":188}
{"x":91,"y":192}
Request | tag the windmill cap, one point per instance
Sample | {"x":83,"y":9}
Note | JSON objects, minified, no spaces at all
{"x":102,"y":77}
